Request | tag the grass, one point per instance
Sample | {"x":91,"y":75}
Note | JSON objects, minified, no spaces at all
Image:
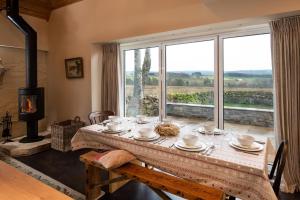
{"x":154,"y":90}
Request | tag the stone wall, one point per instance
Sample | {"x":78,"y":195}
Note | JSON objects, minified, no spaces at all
{"x":14,"y":78}
{"x":247,"y":116}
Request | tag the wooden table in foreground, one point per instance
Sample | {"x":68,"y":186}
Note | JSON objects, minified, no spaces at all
{"x":236,"y":173}
{"x":15,"y":185}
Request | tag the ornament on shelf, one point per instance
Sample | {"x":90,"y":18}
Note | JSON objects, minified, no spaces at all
{"x":6,"y":127}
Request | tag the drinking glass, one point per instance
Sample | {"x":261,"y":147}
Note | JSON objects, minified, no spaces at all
{"x":229,"y":136}
{"x":209,"y":134}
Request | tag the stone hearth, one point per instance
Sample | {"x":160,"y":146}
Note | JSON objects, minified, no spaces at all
{"x":16,"y":148}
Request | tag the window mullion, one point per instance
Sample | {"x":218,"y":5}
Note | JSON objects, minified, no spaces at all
{"x":162,"y":81}
{"x":216,"y":81}
{"x":221,"y":82}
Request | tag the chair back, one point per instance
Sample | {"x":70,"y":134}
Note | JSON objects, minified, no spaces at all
{"x":99,"y":116}
{"x":278,"y":166}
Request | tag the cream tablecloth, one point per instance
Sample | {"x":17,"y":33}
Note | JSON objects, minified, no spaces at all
{"x":236,"y":173}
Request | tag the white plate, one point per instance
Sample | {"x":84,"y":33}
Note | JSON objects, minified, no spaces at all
{"x":254,"y":145}
{"x":112,"y":132}
{"x":147,"y":139}
{"x":216,"y":131}
{"x":142,"y":122}
{"x":254,"y":148}
{"x":203,"y":146}
{"x":183,"y":145}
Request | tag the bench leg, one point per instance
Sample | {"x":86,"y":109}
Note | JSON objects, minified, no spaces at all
{"x":115,"y":186}
{"x":92,"y":179}
{"x":161,"y":194}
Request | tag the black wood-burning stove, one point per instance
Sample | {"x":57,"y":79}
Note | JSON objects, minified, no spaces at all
{"x":31,"y":98}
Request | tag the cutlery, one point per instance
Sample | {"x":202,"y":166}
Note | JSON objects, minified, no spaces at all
{"x":171,"y":145}
{"x":157,"y":141}
{"x":248,"y":152}
{"x":205,"y":152}
{"x":211,"y":150}
{"x":260,"y":142}
{"x":163,"y":140}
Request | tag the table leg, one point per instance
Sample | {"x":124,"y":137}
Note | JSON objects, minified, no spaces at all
{"x":93,"y":178}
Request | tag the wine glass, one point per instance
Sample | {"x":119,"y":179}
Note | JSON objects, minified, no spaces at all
{"x":209,"y":133}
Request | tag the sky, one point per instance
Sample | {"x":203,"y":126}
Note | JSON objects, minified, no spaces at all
{"x":240,"y":53}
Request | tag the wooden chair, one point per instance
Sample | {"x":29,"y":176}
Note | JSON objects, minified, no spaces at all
{"x":157,"y":181}
{"x":278,"y":166}
{"x":99,"y":116}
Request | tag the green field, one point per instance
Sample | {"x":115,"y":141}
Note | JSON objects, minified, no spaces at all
{"x":247,"y":89}
{"x":154,"y":90}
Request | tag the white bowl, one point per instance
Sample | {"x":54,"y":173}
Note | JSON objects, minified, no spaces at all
{"x":190,"y":139}
{"x":208,"y":128}
{"x":245,"y":140}
{"x":145,"y":132}
{"x":113,"y":118}
{"x":141,"y":118}
{"x":112,"y":126}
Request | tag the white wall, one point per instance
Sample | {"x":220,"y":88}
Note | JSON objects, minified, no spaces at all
{"x":11,"y":36}
{"x":75,"y":27}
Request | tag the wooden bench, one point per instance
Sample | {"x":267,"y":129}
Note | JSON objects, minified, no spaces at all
{"x":156,"y":180}
{"x":15,"y":185}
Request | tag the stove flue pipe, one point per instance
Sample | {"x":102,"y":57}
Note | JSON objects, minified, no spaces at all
{"x":12,"y":13}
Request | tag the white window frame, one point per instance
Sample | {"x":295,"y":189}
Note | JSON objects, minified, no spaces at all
{"x":186,"y":41}
{"x":243,"y":33}
{"x":122,"y":105}
{"x":218,"y":39}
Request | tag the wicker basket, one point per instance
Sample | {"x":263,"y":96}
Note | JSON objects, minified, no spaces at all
{"x":62,"y":133}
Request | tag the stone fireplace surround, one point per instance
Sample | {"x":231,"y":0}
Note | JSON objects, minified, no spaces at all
{"x":14,"y":59}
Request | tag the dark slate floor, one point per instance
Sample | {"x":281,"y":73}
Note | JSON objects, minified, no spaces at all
{"x":67,"y":169}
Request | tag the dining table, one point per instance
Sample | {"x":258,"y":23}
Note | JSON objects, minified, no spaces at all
{"x":238,"y":173}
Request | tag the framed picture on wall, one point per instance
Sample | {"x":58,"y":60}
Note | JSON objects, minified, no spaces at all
{"x":74,"y":67}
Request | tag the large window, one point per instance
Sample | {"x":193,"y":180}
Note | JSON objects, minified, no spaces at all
{"x":190,"y":79}
{"x":248,"y":84}
{"x":224,"y":79}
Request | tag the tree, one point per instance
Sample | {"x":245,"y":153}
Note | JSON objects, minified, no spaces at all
{"x":196,"y":74}
{"x":141,"y":73}
{"x":146,"y":67}
{"x":137,"y":81}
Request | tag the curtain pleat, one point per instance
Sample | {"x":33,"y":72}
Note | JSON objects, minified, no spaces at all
{"x":110,"y":78}
{"x":286,"y":63}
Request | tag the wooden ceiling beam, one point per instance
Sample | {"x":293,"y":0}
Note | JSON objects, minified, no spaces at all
{"x":39,"y":8}
{"x":60,"y":3}
{"x":36,"y":8}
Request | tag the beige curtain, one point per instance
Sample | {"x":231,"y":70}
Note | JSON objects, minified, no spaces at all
{"x":110,"y":78}
{"x":286,"y":64}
